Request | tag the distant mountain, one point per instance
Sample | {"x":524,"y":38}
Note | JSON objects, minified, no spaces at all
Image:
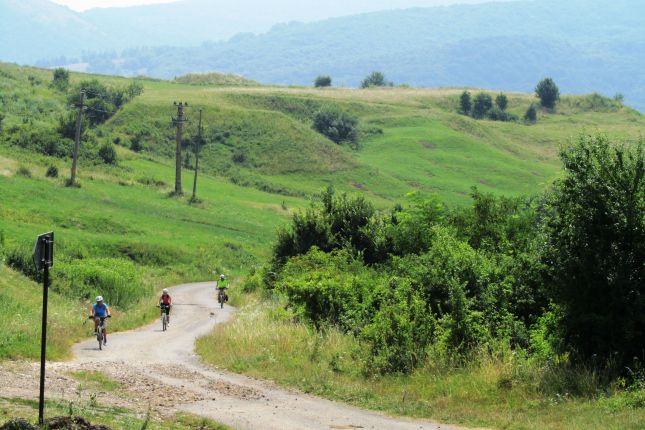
{"x":36,"y":29}
{"x":585,"y":45}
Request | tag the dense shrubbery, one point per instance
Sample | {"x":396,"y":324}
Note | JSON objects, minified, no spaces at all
{"x":338,"y":126}
{"x":551,"y":276}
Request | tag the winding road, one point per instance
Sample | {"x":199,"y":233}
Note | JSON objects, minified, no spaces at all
{"x":164,"y":370}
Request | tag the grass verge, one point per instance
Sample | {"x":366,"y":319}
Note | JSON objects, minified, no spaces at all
{"x":501,"y":390}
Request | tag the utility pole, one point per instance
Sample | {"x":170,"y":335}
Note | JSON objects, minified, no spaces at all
{"x":197,"y":143}
{"x":77,"y":140}
{"x":179,"y":123}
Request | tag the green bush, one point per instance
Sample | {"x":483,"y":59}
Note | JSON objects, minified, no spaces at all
{"x":52,"y":172}
{"x":118,"y":280}
{"x":531,"y":114}
{"x":596,"y":248}
{"x":336,"y":125}
{"x":322,"y":81}
{"x":107,"y":153}
{"x":375,"y":79}
{"x":548,"y":93}
{"x":482,"y":104}
{"x":24,"y":172}
{"x":465,"y":103}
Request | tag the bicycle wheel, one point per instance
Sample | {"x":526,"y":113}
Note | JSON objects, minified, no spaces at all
{"x":164,"y":321}
{"x":99,"y":337}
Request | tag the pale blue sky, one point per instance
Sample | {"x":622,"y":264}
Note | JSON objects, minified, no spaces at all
{"x":80,"y":5}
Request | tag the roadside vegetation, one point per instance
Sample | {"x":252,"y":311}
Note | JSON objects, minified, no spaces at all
{"x":456,"y":303}
{"x":485,"y":315}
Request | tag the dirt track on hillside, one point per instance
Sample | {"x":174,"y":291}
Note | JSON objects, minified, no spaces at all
{"x":160,"y":369}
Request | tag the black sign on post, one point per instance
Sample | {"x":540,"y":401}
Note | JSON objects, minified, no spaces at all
{"x":43,"y":259}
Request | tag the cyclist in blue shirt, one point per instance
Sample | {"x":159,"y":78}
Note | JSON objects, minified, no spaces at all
{"x":100,"y":310}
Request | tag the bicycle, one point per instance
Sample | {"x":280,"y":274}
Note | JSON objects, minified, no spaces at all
{"x":222,"y":297}
{"x":164,"y":316}
{"x":100,"y":331}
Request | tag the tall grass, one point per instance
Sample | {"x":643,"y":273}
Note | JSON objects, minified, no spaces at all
{"x":498,"y":388}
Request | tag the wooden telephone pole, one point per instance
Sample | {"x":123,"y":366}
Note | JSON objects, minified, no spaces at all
{"x":77,"y":140}
{"x":197,"y":145}
{"x":179,"y":123}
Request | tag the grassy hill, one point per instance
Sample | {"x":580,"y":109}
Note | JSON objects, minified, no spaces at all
{"x":261,"y":160}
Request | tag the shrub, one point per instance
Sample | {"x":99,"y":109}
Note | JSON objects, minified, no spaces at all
{"x":107,"y":153}
{"x":482,"y":105}
{"x":118,"y":280}
{"x":375,"y":79}
{"x":465,"y":103}
{"x":548,"y":93}
{"x":531,"y":114}
{"x":52,"y":172}
{"x":322,"y":81}
{"x":596,"y":248}
{"x":24,"y":172}
{"x":336,"y":125}
{"x":61,"y":79}
{"x":19,"y":258}
{"x":501,"y":101}
{"x":497,"y":114}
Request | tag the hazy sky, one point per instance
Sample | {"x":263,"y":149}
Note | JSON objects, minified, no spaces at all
{"x":89,"y":4}
{"x":80,"y":5}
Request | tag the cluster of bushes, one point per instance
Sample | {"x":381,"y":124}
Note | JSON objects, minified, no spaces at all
{"x":556,"y":276}
{"x":482,"y":107}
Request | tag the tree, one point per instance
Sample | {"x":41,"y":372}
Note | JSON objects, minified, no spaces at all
{"x":374,"y":79}
{"x":465,"y":103}
{"x":483,"y":104}
{"x":336,"y":125}
{"x":1,"y":121}
{"x":61,"y":79}
{"x":501,"y":101}
{"x":596,"y":249}
{"x":322,"y":81}
{"x":548,"y":93}
{"x":531,"y":114}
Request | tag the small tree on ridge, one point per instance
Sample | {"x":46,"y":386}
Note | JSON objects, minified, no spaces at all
{"x":548,"y":93}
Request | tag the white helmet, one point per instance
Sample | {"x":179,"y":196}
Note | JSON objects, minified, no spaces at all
{"x":165,"y":290}
{"x":222,"y":276}
{"x":99,"y":298}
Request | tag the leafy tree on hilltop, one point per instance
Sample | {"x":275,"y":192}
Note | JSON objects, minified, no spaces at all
{"x":501,"y":101}
{"x":61,"y":79}
{"x":596,"y":249}
{"x":548,"y":93}
{"x":375,"y":79}
{"x":465,"y":104}
{"x":322,"y":81}
{"x":483,"y":104}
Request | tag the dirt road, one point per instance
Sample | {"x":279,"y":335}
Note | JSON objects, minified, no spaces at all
{"x":162,"y":369}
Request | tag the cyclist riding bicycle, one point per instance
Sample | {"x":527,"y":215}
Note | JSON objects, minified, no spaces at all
{"x":222,"y":285}
{"x":165,"y":303}
{"x":100,"y":310}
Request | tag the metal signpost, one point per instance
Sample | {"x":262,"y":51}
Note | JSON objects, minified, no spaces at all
{"x":43,"y":259}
